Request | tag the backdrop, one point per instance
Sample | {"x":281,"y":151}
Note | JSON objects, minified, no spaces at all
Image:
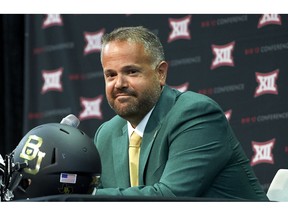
{"x":239,"y":60}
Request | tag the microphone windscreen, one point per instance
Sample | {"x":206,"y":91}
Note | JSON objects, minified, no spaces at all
{"x":71,"y":120}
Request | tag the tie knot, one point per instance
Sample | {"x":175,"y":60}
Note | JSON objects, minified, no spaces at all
{"x":135,"y":140}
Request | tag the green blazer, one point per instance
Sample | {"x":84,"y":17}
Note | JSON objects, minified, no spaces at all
{"x":188,"y":150}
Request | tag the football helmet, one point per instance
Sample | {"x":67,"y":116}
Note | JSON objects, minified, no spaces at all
{"x":60,"y":159}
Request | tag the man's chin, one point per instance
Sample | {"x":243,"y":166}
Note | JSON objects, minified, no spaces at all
{"x":124,"y":111}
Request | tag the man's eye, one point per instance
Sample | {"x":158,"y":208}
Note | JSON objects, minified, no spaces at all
{"x":109,"y":74}
{"x":132,"y":71}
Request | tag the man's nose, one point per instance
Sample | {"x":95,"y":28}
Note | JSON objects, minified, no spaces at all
{"x":121,"y":81}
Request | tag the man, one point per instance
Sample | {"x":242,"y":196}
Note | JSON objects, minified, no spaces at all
{"x":188,"y":148}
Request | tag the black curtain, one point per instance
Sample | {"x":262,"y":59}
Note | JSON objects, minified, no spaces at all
{"x":12,"y":72}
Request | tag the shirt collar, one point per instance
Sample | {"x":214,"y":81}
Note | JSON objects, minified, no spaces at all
{"x":141,"y":126}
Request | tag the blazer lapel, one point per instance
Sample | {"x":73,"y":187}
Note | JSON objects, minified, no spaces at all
{"x":120,"y":155}
{"x":146,"y":146}
{"x":153,"y":126}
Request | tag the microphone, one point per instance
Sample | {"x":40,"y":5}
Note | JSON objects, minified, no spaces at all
{"x":71,"y":120}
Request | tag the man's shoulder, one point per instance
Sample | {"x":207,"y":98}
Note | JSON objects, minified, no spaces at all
{"x":114,"y":124}
{"x":192,"y":97}
{"x":116,"y":121}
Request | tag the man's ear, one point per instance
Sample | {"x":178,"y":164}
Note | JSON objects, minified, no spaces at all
{"x":162,"y":70}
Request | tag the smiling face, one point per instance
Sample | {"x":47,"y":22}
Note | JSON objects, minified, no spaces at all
{"x":133,"y":84}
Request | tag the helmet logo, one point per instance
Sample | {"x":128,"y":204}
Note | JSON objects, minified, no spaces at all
{"x":66,"y":189}
{"x":31,"y":151}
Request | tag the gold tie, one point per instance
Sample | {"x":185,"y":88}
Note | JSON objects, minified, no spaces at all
{"x":134,"y":150}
